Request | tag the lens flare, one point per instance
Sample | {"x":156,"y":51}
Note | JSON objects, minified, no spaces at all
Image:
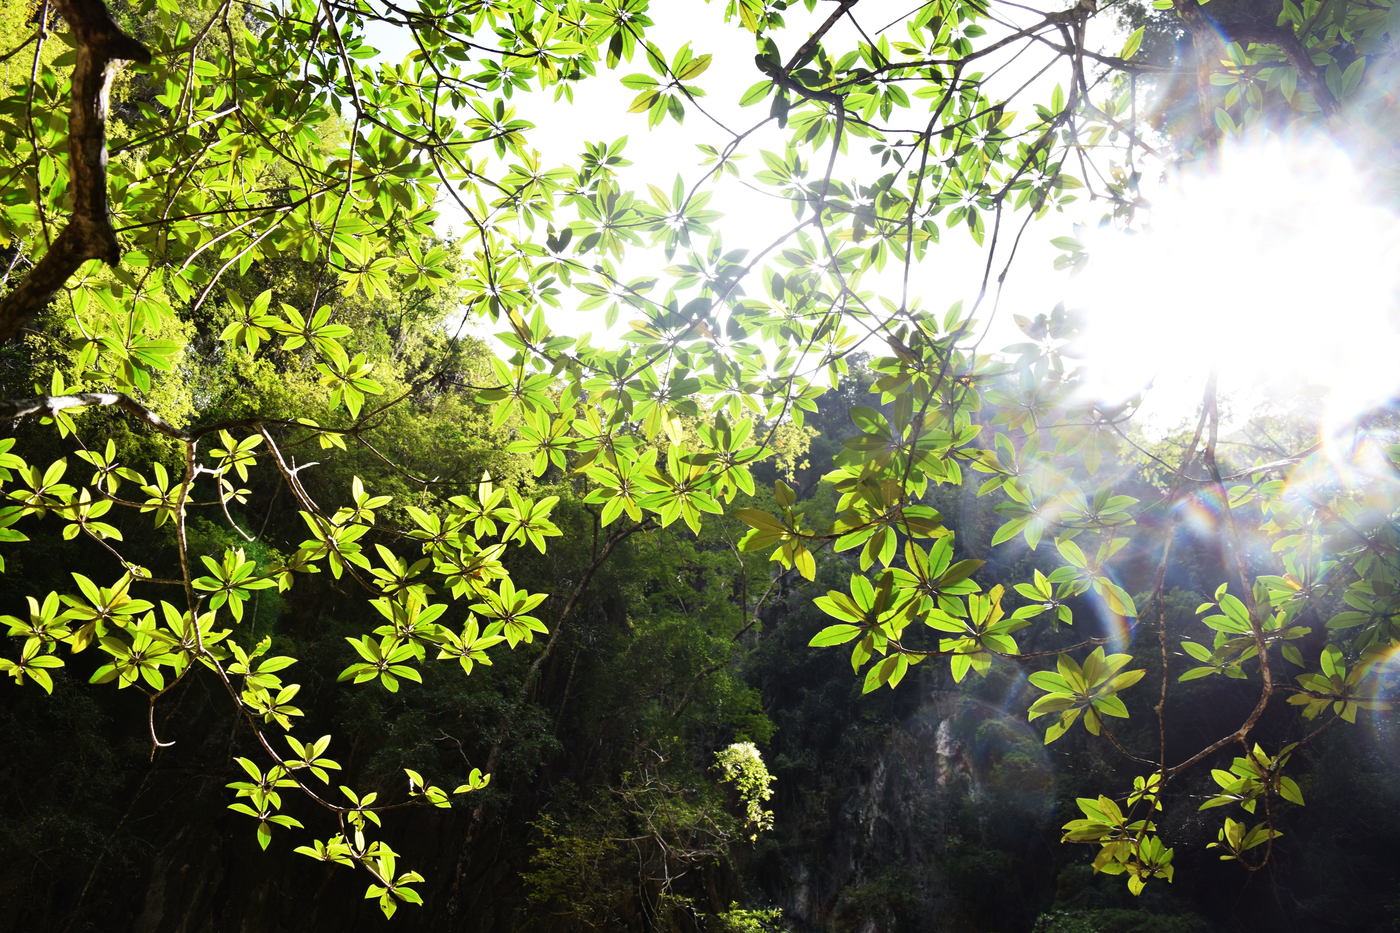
{"x":1351,"y":460}
{"x":1383,"y":725}
{"x":1274,"y":267}
{"x":1200,"y":514}
{"x":1112,"y":625}
{"x":957,"y":746}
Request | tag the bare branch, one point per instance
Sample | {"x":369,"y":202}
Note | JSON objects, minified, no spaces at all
{"x":50,"y":405}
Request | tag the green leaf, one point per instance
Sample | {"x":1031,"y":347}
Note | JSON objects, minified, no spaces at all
{"x":1133,"y":44}
{"x":835,"y":635}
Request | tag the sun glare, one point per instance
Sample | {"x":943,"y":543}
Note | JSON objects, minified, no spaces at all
{"x":1276,"y":267}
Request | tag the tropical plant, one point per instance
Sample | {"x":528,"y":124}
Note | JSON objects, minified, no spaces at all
{"x":137,"y":210}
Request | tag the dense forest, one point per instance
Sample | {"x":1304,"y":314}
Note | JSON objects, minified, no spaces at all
{"x":347,"y":587}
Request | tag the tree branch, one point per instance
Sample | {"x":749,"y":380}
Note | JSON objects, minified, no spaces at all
{"x":102,"y":47}
{"x":50,"y":405}
{"x":613,"y":541}
{"x":1286,"y":41}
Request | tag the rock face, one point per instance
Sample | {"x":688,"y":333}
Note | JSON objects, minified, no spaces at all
{"x":905,"y":846}
{"x":183,"y":882}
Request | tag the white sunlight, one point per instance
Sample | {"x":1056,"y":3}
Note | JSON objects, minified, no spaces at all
{"x":1275,"y":267}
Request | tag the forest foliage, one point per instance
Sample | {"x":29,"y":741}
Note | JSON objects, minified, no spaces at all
{"x":258,"y":446}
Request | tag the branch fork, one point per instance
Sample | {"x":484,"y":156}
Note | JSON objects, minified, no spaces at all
{"x":102,"y":49}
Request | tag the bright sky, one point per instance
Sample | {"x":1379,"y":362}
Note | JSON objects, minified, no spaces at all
{"x":752,"y":220}
{"x":1269,"y":267}
{"x":1278,"y":267}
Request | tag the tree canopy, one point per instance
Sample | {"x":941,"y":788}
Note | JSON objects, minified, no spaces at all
{"x":227,"y":282}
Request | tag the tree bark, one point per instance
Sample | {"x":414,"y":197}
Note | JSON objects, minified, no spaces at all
{"x":102,"y":47}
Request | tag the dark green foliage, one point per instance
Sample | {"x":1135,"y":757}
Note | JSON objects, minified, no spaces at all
{"x":1118,"y":921}
{"x":613,"y":514}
